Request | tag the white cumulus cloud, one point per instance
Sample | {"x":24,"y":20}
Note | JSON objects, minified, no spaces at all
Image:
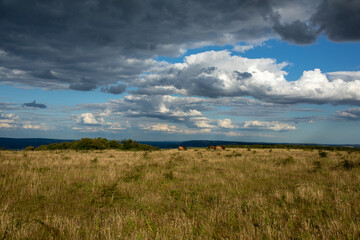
{"x":226,"y":123}
{"x":264,"y":125}
{"x":217,"y":74}
{"x":163,"y":127}
{"x":89,"y":118}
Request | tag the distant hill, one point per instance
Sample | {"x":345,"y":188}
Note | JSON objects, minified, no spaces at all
{"x":206,"y":143}
{"x":194,"y":143}
{"x":163,"y":144}
{"x":21,"y":143}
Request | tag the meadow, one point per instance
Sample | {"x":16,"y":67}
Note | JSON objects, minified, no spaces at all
{"x":238,"y":193}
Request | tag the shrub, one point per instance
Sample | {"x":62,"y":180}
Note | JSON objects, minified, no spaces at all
{"x":169,"y":175}
{"x":347,"y":164}
{"x":317,"y":165}
{"x":29,"y":148}
{"x":322,"y":154}
{"x":41,"y":148}
{"x":114,"y":144}
{"x":97,"y":144}
{"x":234,"y":154}
{"x":128,"y":144}
{"x":287,"y":161}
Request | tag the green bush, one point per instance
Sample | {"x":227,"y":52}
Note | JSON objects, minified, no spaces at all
{"x":95,"y":144}
{"x":29,"y":148}
{"x":41,"y":148}
{"x":115,"y":144}
{"x":286,"y":161}
{"x":322,"y":154}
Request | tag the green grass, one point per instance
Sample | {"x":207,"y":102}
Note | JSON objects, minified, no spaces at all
{"x":194,"y":194}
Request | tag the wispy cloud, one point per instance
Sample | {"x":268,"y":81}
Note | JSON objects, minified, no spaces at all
{"x":12,"y":121}
{"x":274,"y":126}
{"x":351,"y":114}
{"x":7,"y":120}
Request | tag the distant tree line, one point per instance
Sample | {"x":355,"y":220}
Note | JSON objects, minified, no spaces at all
{"x":291,"y":146}
{"x":95,"y":144}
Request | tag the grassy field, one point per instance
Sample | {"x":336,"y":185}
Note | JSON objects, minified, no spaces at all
{"x":171,"y":194}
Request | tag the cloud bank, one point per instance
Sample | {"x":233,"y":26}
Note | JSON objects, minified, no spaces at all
{"x":83,"y":45}
{"x":219,"y":74}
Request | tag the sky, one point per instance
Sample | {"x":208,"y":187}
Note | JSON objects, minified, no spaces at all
{"x":172,"y":70}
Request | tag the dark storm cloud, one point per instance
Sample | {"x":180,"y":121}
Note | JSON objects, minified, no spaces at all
{"x":57,"y":43}
{"x":47,"y":74}
{"x":35,"y":105}
{"x":194,"y":80}
{"x":119,"y":89}
{"x":83,"y":86}
{"x":297,"y":32}
{"x":339,"y":19}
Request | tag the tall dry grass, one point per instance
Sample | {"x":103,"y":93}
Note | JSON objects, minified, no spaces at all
{"x":171,"y":194}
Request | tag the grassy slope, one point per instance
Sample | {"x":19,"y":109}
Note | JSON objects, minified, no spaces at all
{"x":194,"y":194}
